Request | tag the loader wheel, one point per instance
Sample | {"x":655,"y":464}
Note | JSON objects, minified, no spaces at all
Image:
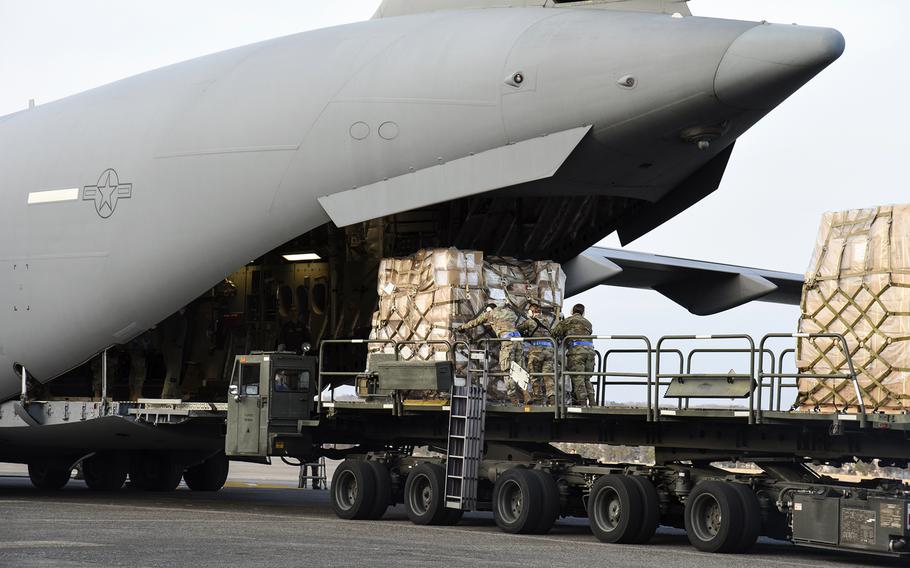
{"x":383,"y":490}
{"x":49,"y":476}
{"x":353,"y":490}
{"x":518,"y":501}
{"x":615,"y":509}
{"x":751,"y":517}
{"x":650,"y":508}
{"x":714,"y":517}
{"x":209,"y":475}
{"x":451,"y":517}
{"x":104,"y":472}
{"x":424,"y":496}
{"x":155,"y":473}
{"x":550,"y":502}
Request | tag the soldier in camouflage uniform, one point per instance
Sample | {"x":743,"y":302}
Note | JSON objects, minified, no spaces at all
{"x":539,"y":356}
{"x":579,"y":354}
{"x":502,"y":320}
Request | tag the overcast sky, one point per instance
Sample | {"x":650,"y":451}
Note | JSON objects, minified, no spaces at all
{"x":838,"y":143}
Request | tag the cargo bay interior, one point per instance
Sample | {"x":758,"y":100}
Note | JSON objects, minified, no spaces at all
{"x":325,"y":282}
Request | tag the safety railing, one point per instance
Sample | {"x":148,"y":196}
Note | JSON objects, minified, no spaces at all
{"x":451,"y":351}
{"x":682,"y":377}
{"x":780,"y":385}
{"x":519,"y":343}
{"x":602,"y":373}
{"x":323,"y":374}
{"x":694,"y":352}
{"x":850,"y":375}
{"x":649,"y":351}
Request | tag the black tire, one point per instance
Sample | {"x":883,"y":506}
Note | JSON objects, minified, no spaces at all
{"x":353,"y":490}
{"x":650,"y":506}
{"x":209,"y":475}
{"x":751,"y":517}
{"x":424,"y":495}
{"x":383,"y":490}
{"x":615,"y":509}
{"x":104,"y":472}
{"x":518,"y":501}
{"x":451,"y":517}
{"x":155,"y":473}
{"x":49,"y":476}
{"x":550,"y":502}
{"x":714,"y":517}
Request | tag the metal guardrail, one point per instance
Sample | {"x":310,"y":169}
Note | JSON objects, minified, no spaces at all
{"x":451,"y":350}
{"x":780,"y":381}
{"x":487,"y":374}
{"x":695,"y":352}
{"x":708,"y":376}
{"x":653,"y":375}
{"x":837,"y":338}
{"x":601,"y":365}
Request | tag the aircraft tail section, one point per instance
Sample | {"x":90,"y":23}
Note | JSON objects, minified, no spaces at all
{"x":391,"y":8}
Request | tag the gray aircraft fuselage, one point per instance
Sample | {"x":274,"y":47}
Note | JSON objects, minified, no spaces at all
{"x":124,"y":203}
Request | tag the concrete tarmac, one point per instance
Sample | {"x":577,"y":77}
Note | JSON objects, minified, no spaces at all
{"x":270,"y":524}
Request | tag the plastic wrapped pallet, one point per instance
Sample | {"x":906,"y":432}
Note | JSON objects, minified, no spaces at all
{"x":519,"y":282}
{"x":858,"y":285}
{"x":425,"y":296}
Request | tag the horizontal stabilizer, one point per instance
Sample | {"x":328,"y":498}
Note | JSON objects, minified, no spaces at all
{"x":391,"y":8}
{"x":505,"y":166}
{"x":703,"y":288}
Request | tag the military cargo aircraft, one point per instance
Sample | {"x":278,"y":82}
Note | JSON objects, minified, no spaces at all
{"x":530,"y":128}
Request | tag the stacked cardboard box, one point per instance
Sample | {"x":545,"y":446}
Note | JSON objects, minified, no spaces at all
{"x":423,"y":297}
{"x":858,"y":285}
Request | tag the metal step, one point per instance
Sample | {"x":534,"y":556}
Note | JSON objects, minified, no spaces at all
{"x":467,"y":414}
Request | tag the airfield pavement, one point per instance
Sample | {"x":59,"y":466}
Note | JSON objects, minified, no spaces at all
{"x":261,"y":519}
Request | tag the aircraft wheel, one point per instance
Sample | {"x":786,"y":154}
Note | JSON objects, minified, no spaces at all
{"x":615,"y":509}
{"x":714,"y":517}
{"x":550,"y":502}
{"x":383,"y":490}
{"x":155,"y":473}
{"x":49,"y":476}
{"x":751,"y":517}
{"x":518,"y":501}
{"x":353,"y":490}
{"x":424,"y":495}
{"x":209,"y":475}
{"x":650,"y":508}
{"x":104,"y":472}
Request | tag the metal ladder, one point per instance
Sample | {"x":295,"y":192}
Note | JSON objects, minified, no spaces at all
{"x":467,"y":413}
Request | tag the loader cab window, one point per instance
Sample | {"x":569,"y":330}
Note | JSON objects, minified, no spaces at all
{"x":291,"y":380}
{"x":249,"y":379}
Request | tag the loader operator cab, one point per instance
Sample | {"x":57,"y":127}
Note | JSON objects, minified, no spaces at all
{"x":269,"y":394}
